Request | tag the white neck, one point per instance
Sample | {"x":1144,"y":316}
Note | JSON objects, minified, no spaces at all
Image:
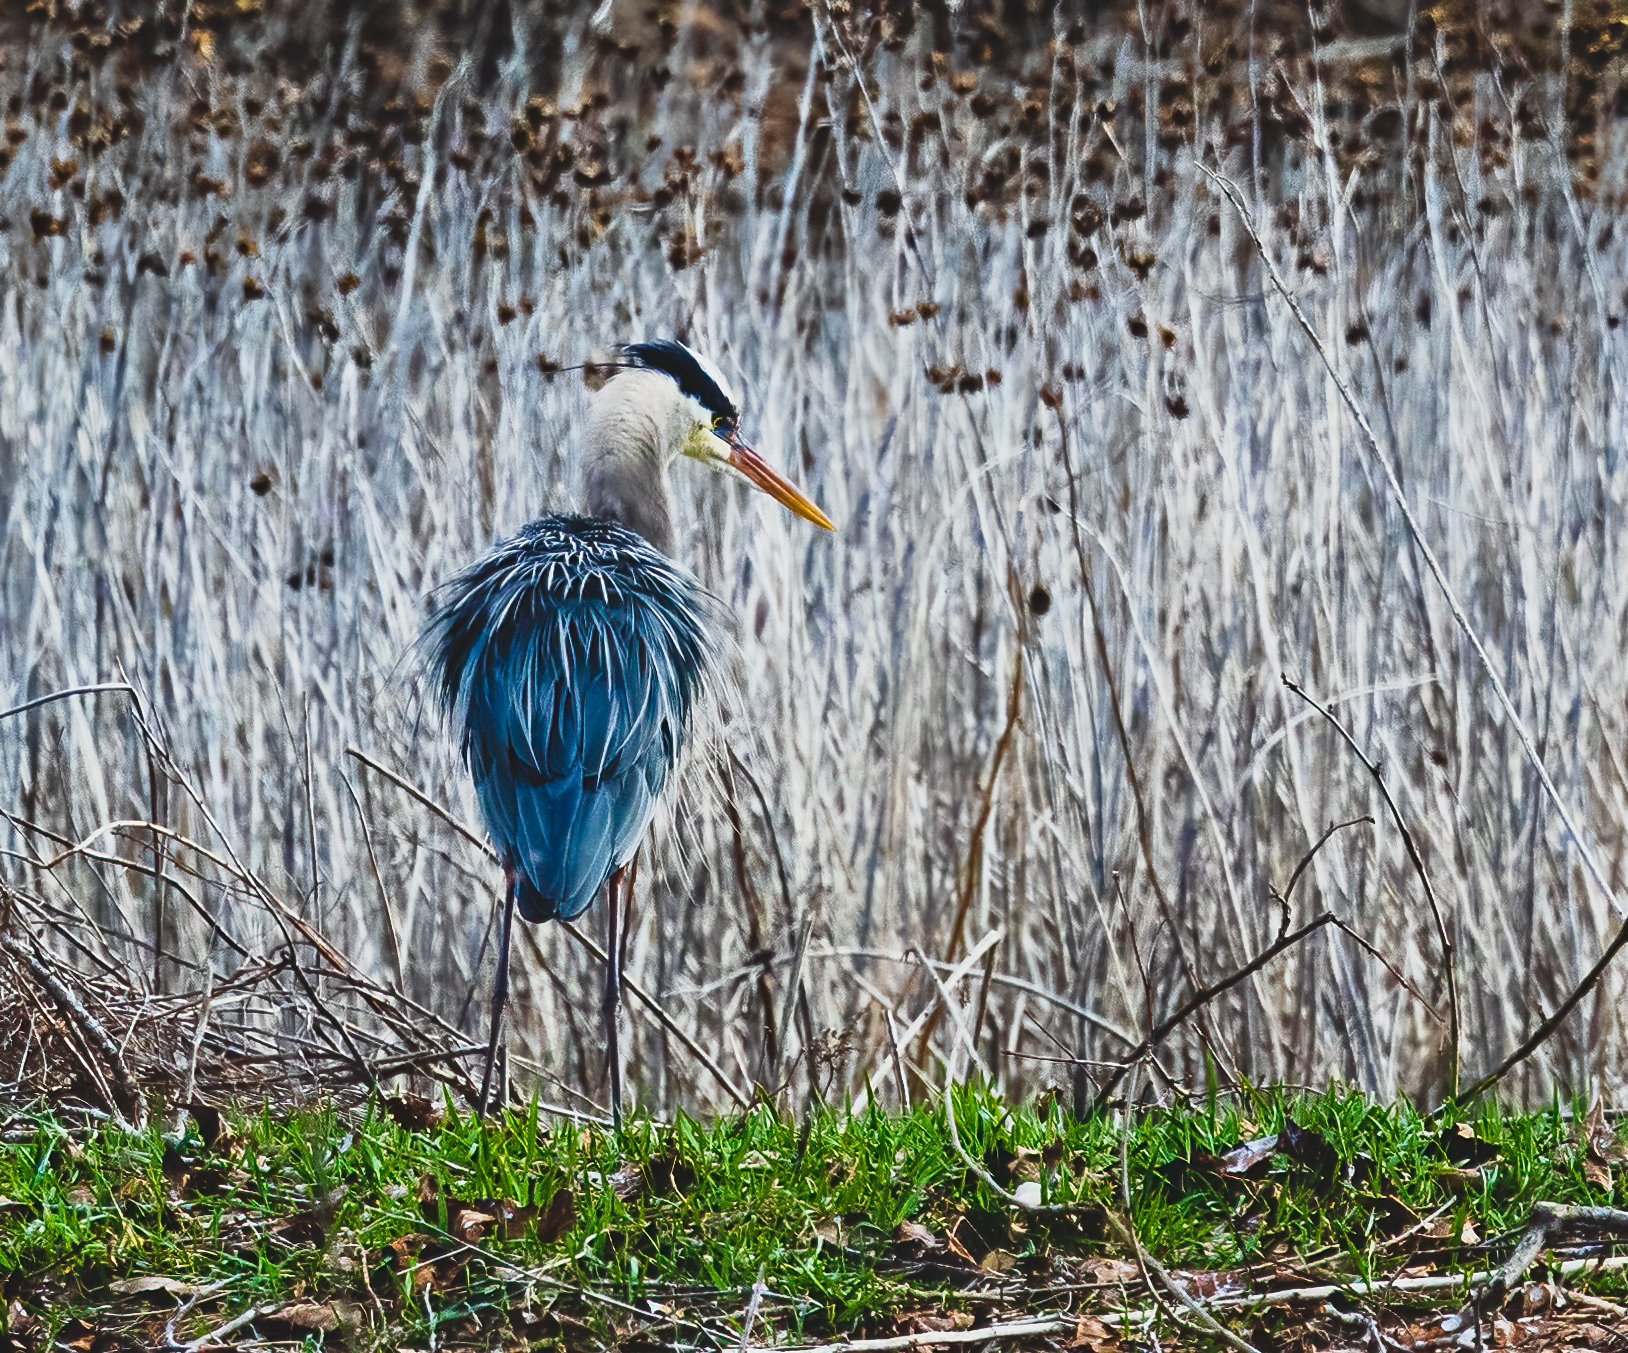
{"x":629,"y":439}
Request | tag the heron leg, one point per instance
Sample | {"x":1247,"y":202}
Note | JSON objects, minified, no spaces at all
{"x":500,"y":992}
{"x":612,"y":1001}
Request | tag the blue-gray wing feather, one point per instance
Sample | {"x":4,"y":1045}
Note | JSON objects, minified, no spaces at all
{"x":569,"y":661}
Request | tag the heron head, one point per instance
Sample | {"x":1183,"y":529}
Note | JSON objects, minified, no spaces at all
{"x":707,"y":417}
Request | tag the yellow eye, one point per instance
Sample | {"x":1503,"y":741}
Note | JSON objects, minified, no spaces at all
{"x":719,"y":422}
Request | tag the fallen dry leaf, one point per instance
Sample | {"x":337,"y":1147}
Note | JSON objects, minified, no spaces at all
{"x":1014,"y":1167}
{"x":1391,"y":1215}
{"x":1205,"y":1284}
{"x":558,"y":1217}
{"x":914,"y":1233}
{"x":212,"y":1128}
{"x":413,"y":1113}
{"x":628,"y":1183}
{"x":669,"y":1173}
{"x":1306,"y":1146}
{"x":78,"y":1335}
{"x":305,"y":1229}
{"x":1111,"y":1272}
{"x":468,"y":1224}
{"x":316,"y":1317}
{"x":1465,"y":1147}
{"x":1094,"y":1335}
{"x":153,"y":1283}
{"x":937,"y":1322}
{"x":513,"y":1220}
{"x":1601,"y":1149}
{"x":998,"y":1261}
{"x":1506,"y":1334}
{"x":957,"y":1246}
{"x":1532,"y":1299}
{"x":1249,"y":1157}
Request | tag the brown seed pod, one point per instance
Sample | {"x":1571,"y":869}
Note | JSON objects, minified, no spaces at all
{"x":1132,"y":209}
{"x":1085,"y":216}
{"x":261,"y":163}
{"x":322,"y":320}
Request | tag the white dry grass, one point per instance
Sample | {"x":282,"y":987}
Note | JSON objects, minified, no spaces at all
{"x":1253,"y":537}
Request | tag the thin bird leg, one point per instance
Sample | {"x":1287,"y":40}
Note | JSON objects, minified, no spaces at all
{"x":500,"y":991}
{"x":630,"y":886}
{"x":612,"y":1001}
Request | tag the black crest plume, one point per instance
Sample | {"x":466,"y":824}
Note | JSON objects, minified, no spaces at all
{"x":693,"y":374}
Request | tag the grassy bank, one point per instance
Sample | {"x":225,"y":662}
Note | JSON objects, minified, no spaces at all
{"x":403,"y":1225}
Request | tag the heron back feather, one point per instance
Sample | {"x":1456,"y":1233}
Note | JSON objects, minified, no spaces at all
{"x":569,"y":660}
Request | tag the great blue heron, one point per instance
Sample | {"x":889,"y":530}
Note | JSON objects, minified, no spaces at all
{"x":569,"y":658}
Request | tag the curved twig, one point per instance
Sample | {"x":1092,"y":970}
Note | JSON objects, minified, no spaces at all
{"x":1454,"y":1025}
{"x":1202,"y":997}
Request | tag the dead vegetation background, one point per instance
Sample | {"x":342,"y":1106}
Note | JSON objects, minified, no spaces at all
{"x":283,"y":296}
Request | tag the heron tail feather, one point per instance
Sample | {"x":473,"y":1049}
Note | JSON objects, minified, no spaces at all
{"x":536,"y":905}
{"x":533,"y":904}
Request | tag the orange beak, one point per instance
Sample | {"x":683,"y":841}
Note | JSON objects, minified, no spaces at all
{"x":776,"y":485}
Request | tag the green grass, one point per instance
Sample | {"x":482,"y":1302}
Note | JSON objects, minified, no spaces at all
{"x":356,"y":1222}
